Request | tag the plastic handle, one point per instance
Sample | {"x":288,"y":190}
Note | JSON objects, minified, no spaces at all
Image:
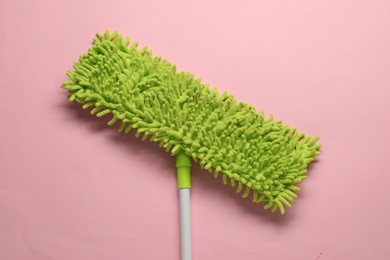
{"x":185,"y":225}
{"x":183,"y":164}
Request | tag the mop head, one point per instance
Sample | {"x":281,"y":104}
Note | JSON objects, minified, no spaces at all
{"x":260,"y":156}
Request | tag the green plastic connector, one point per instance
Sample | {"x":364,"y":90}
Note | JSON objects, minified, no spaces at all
{"x":183,"y":165}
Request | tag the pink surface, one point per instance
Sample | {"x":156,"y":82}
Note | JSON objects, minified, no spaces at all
{"x":73,"y":188}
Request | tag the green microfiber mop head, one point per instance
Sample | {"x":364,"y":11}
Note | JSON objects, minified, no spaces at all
{"x":259,"y":155}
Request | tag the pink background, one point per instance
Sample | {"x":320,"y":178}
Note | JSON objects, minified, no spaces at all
{"x":73,"y":188}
